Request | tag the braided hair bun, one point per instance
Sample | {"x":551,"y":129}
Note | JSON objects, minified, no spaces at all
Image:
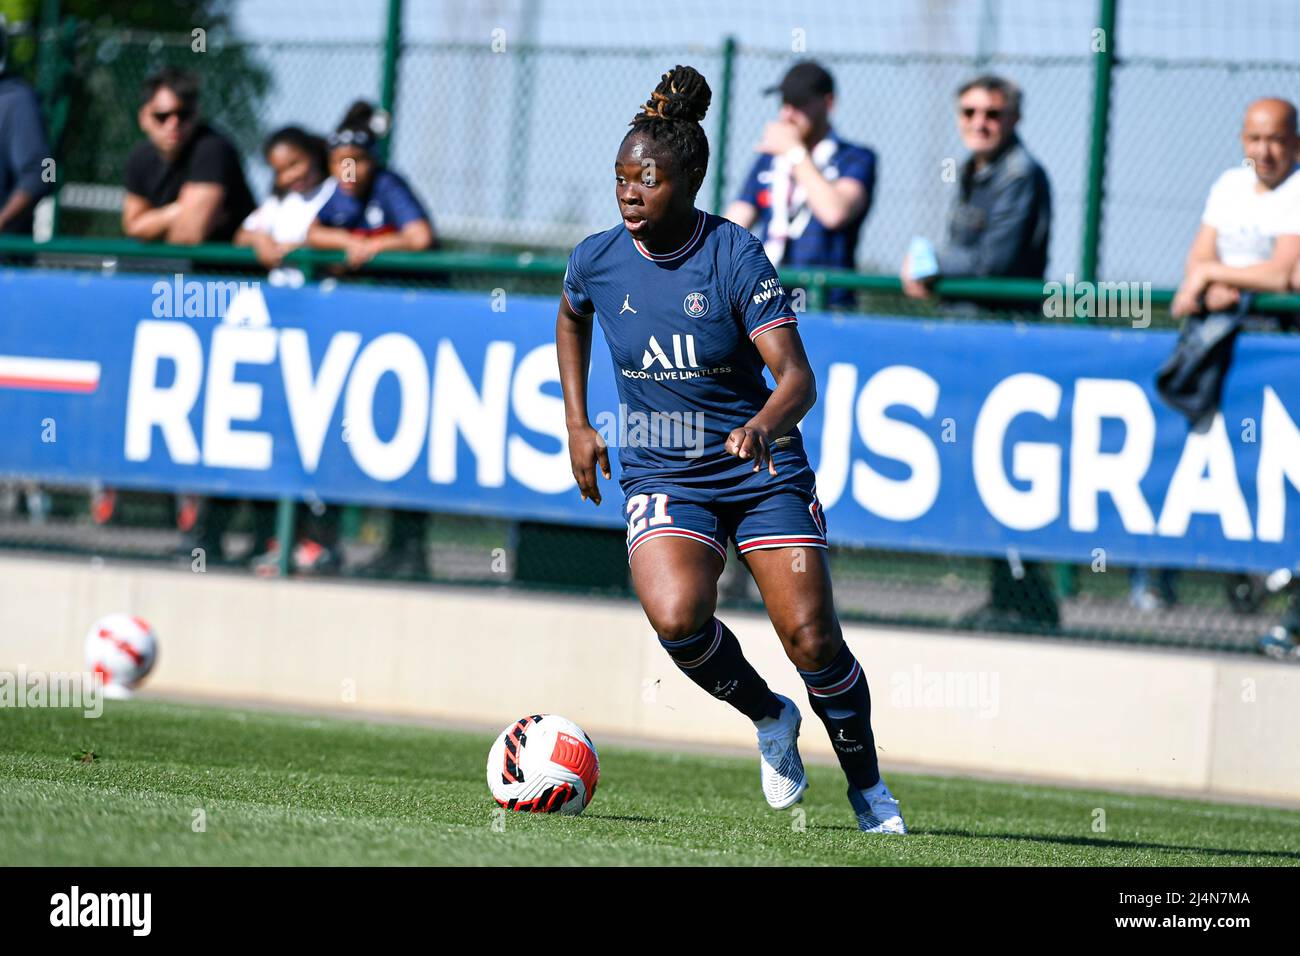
{"x":670,"y":118}
{"x":682,"y":94}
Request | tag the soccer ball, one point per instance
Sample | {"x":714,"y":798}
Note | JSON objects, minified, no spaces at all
{"x":543,"y":764}
{"x":123,"y":649}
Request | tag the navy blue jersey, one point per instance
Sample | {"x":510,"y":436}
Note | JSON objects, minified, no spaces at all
{"x":389,"y":207}
{"x":681,"y":328}
{"x":810,"y":243}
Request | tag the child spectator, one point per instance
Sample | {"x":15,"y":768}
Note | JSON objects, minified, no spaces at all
{"x":373,"y":210}
{"x":300,"y":162}
{"x":302,"y":185}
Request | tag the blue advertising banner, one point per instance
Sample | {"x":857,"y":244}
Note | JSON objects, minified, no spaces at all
{"x":960,"y":437}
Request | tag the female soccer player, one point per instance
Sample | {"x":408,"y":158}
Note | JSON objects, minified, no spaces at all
{"x":692,"y":310}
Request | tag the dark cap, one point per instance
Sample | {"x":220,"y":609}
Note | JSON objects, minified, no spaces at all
{"x":802,"y":82}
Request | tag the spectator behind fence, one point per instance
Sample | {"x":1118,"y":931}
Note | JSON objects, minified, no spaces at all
{"x":23,"y":154}
{"x":1248,"y":241}
{"x":1002,"y":218}
{"x":184,"y":184}
{"x":1249,"y":238}
{"x":998,"y":226}
{"x":24,"y":150}
{"x":300,"y":163}
{"x":1283,"y":639}
{"x":372,"y":211}
{"x":302,"y":185}
{"x":809,"y":191}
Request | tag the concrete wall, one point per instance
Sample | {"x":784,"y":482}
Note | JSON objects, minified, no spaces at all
{"x":1099,"y":715}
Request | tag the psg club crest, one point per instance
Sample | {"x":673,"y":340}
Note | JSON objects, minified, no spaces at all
{"x":696,"y":305}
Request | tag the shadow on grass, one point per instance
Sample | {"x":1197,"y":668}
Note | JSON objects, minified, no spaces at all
{"x":625,"y":818}
{"x":1093,"y":842}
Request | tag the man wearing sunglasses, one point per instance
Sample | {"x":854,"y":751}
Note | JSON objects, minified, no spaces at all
{"x":184,"y":184}
{"x":1002,"y":215}
{"x":998,"y":226}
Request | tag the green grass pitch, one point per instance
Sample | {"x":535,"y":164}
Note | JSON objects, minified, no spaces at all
{"x":279,"y":789}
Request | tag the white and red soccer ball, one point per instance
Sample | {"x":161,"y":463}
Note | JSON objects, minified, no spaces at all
{"x":543,"y":764}
{"x":122,"y":649}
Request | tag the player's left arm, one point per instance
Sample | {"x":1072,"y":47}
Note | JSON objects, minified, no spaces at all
{"x":795,"y":394}
{"x":759,"y":301}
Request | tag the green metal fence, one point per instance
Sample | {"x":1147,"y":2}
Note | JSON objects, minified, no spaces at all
{"x":511,"y":148}
{"x":545,"y":119}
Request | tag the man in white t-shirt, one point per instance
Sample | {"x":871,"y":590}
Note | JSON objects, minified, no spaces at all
{"x":1249,"y":240}
{"x":1250,"y":231}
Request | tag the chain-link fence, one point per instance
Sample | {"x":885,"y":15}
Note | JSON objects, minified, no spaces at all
{"x":510,"y":145}
{"x":509,"y":141}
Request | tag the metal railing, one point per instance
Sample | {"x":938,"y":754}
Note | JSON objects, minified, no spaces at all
{"x":1084,"y":122}
{"x":1026,"y":292}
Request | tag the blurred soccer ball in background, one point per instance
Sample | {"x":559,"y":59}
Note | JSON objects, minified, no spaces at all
{"x":123,"y":649}
{"x":543,"y":764}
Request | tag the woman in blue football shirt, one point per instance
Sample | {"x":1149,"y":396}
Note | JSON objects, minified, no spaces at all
{"x":693,"y":311}
{"x":373,"y":210}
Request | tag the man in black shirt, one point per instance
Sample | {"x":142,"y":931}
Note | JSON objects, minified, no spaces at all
{"x":185,"y":184}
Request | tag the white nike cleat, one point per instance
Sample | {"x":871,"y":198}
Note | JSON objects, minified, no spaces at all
{"x":877,"y":810}
{"x":781,"y":769}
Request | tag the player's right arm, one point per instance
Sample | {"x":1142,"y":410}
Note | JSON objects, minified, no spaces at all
{"x":573,"y":352}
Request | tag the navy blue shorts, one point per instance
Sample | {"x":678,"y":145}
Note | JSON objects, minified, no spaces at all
{"x":786,"y":514}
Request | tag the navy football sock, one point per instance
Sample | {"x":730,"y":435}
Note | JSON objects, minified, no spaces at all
{"x":713,"y":659}
{"x":839,"y":696}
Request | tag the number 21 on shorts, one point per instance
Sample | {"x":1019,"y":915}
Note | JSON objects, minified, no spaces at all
{"x":636,"y":509}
